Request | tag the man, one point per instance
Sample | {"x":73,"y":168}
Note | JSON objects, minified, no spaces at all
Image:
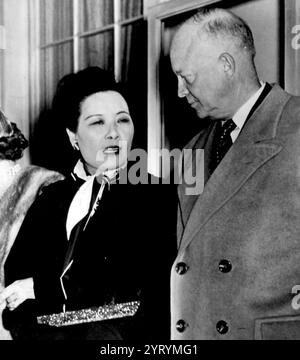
{"x":237,"y":273}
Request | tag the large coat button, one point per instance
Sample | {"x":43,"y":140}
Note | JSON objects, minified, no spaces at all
{"x":181,"y":325}
{"x":222,"y":327}
{"x":181,"y":268}
{"x":225,"y":266}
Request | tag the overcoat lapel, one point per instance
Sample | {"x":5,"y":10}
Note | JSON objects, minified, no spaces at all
{"x":254,"y":147}
{"x":186,"y":203}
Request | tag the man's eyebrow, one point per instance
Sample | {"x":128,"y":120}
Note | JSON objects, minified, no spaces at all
{"x":177,"y":72}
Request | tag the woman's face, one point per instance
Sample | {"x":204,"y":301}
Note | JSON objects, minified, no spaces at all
{"x":105,"y":131}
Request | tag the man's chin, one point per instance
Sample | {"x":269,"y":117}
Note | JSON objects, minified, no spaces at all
{"x":205,"y":115}
{"x":201,"y":114}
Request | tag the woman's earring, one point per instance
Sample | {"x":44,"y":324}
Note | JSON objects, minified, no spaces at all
{"x":75,"y":146}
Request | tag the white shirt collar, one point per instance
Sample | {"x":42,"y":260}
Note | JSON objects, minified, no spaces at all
{"x":80,"y":171}
{"x":80,"y":204}
{"x":82,"y":174}
{"x":240,"y":116}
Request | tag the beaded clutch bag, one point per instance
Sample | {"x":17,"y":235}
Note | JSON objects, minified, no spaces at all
{"x":106,"y":312}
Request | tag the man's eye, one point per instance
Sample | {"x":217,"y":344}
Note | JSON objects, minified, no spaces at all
{"x":188,"y":79}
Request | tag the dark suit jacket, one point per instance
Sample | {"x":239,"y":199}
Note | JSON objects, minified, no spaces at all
{"x":240,"y":238}
{"x":125,"y":254}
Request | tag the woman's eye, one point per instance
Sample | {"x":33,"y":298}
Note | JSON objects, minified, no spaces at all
{"x":98,"y":122}
{"x":124,"y":120}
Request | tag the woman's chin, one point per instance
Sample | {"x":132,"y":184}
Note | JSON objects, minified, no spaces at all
{"x":112,"y":162}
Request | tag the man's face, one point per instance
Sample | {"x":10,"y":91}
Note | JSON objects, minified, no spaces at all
{"x":201,"y":77}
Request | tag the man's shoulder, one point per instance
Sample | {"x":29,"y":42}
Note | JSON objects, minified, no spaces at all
{"x":293,"y":103}
{"x":290,"y":101}
{"x":191,"y":144}
{"x":289,"y":122}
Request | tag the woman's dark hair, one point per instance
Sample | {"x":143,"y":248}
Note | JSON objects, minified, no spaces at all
{"x":12,"y":147}
{"x":72,"y":89}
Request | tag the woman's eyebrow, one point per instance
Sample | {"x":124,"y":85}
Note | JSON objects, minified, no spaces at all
{"x":92,"y":115}
{"x":122,"y":112}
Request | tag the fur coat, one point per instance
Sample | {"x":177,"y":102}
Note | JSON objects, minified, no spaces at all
{"x":14,"y":203}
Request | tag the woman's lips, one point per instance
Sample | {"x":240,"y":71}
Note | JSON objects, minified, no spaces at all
{"x":111,"y":150}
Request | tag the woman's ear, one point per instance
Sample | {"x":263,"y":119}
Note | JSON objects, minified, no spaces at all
{"x":72,"y":139}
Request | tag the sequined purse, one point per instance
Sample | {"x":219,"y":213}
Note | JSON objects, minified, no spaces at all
{"x":106,"y":312}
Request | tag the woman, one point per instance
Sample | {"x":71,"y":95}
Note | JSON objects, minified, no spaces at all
{"x":12,"y":145}
{"x":98,"y":248}
{"x":18,"y":188}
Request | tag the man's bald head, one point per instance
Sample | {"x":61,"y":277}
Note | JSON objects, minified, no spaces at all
{"x":212,"y":54}
{"x":222,"y":26}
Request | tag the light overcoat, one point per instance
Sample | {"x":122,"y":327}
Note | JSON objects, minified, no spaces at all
{"x":237,"y":273}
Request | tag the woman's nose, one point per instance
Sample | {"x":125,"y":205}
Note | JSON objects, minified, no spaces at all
{"x":112,"y":133}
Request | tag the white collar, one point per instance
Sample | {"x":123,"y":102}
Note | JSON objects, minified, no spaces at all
{"x":240,"y":116}
{"x":80,"y":171}
{"x":82,"y":174}
{"x":80,"y":204}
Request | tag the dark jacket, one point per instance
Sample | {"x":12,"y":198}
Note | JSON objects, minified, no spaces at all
{"x":125,"y":254}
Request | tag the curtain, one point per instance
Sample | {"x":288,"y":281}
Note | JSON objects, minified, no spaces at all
{"x":95,"y":14}
{"x":134,"y":75}
{"x":56,"y":20}
{"x":98,"y":50}
{"x":47,"y":143}
{"x":134,"y":51}
{"x":57,"y":59}
{"x":133,"y":39}
{"x":134,"y":67}
{"x":131,"y":8}
{"x":292,"y":46}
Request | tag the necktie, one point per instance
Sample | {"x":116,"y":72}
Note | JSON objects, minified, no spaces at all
{"x":221,"y":143}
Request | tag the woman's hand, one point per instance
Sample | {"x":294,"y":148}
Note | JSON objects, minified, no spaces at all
{"x":16,"y":293}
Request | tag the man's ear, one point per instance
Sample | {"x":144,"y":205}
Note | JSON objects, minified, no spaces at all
{"x":72,"y":139}
{"x":228,"y":63}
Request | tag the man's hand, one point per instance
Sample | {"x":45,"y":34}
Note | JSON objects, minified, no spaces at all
{"x":16,"y":293}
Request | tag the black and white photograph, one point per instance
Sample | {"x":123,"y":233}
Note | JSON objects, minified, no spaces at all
{"x":149,"y":173}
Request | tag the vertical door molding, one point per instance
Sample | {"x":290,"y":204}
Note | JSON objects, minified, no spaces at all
{"x":154,"y":104}
{"x":292,"y":46}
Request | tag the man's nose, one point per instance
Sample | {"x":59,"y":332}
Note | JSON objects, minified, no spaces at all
{"x":112,"y":132}
{"x":182,"y":90}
